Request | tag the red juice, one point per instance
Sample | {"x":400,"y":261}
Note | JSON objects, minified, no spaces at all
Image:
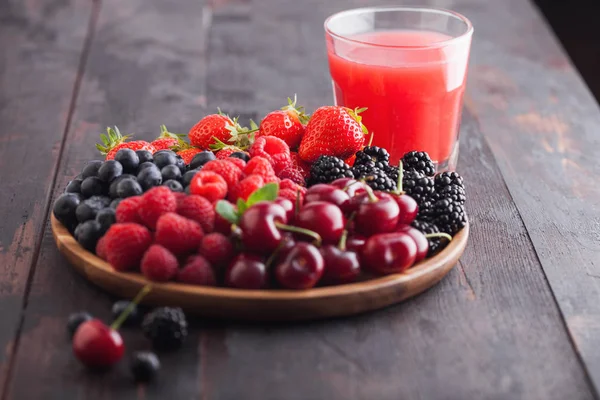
{"x":411,"y":84}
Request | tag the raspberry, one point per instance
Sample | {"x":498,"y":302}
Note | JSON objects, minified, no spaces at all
{"x":269,"y":146}
{"x":209,"y":185}
{"x":302,"y":166}
{"x":241,"y":164}
{"x":101,"y":248}
{"x":159,"y":264}
{"x":198,"y":209}
{"x":229,"y":171}
{"x":291,"y":195}
{"x":156,"y":202}
{"x":127,"y":210}
{"x":197,"y":271}
{"x":260,"y":166}
{"x":217,"y":249}
{"x":178,"y":234}
{"x":246,"y":187}
{"x":287,"y":184}
{"x":226,"y":152}
{"x":281,"y":161}
{"x":125,"y":245}
{"x":293,"y":174}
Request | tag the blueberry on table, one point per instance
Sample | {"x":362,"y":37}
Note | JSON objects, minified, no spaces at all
{"x":75,"y":320}
{"x":129,"y":187}
{"x":65,"y":208}
{"x":128,"y":159}
{"x":144,"y":156}
{"x":202,"y":158}
{"x":149,"y":177}
{"x":134,"y":316}
{"x":88,"y":234}
{"x":163,"y":158}
{"x":74,"y":186}
{"x":106,"y":217}
{"x":174,"y":185}
{"x":187,"y":177}
{"x":91,"y":169}
{"x":144,"y":366}
{"x":92,"y":186}
{"x":110,"y":170}
{"x":170,"y":172}
{"x":241,"y":155}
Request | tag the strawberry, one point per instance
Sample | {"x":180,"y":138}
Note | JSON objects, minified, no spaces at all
{"x":217,"y":249}
{"x":286,"y":124}
{"x":125,"y":245}
{"x":332,"y":131}
{"x":155,"y":202}
{"x":199,"y":209}
{"x":209,"y":185}
{"x":178,"y":234}
{"x":215,"y":130}
{"x":197,"y":271}
{"x":188,"y":154}
{"x":113,"y":141}
{"x":159,"y":264}
{"x":166,"y":140}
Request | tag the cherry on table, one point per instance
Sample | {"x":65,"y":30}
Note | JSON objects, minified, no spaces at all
{"x":326,"y":219}
{"x":341,"y":266}
{"x":288,"y":206}
{"x":378,"y":215}
{"x":97,"y":345}
{"x":328,"y":193}
{"x":408,"y":208}
{"x":389,"y":253}
{"x":246,"y":271}
{"x":420,"y":240}
{"x":259,"y":226}
{"x":302,"y":267}
{"x":355,"y":243}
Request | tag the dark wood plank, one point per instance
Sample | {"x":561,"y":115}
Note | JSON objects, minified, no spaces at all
{"x":542,"y":125}
{"x":41,"y":44}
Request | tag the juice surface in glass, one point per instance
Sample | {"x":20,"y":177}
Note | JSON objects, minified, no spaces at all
{"x":412,"y":88}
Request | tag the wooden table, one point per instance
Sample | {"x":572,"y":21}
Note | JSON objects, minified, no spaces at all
{"x":518,"y":318}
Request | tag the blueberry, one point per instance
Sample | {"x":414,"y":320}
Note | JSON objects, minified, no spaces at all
{"x":241,"y":155}
{"x":134,"y":318}
{"x":88,"y":234}
{"x":92,"y":186}
{"x":91,"y":169}
{"x":115,"y":203}
{"x":170,"y":172}
{"x":129,"y":187}
{"x":147,"y":164}
{"x":88,"y":209}
{"x":74,"y":186}
{"x":202,"y":158}
{"x":110,"y":170}
{"x":106,"y":217}
{"x":165,"y":157}
{"x":187,"y":190}
{"x":112,"y":190}
{"x":149,"y":177}
{"x":144,"y":155}
{"x":173,"y":185}
{"x":65,"y":208}
{"x":128,"y":159}
{"x":181,"y":164}
{"x":144,"y":366}
{"x":75,"y":320}
{"x":187,"y":177}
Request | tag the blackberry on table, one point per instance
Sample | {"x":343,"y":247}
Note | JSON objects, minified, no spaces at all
{"x":327,"y":169}
{"x":418,"y":161}
{"x":453,"y":192}
{"x":377,"y":155}
{"x":166,"y":327}
{"x":448,"y":178}
{"x":450,"y":217}
{"x":418,"y":186}
{"x":435,"y":244}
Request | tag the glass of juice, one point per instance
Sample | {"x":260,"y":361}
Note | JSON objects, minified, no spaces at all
{"x":408,"y":67}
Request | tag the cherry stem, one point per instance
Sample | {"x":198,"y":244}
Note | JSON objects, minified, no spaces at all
{"x":273,"y":256}
{"x":123,"y":316}
{"x":438,"y":235}
{"x":400,"y":178}
{"x":295,"y":229}
{"x":342,"y":243}
{"x":297,"y":205}
{"x":370,"y":139}
{"x":371,"y":194}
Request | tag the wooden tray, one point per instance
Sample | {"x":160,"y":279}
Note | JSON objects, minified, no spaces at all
{"x":266,"y":305}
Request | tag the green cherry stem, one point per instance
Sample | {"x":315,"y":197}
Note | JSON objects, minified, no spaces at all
{"x":123,"y":316}
{"x":275,"y":253}
{"x":297,"y":203}
{"x":295,"y":229}
{"x":438,"y":235}
{"x":371,"y":194}
{"x":342,"y":243}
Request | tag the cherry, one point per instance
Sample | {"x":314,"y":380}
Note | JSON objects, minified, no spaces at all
{"x":389,"y":253}
{"x":349,"y":185}
{"x":340,"y":266}
{"x":355,"y":243}
{"x":288,"y":206}
{"x":302,"y":268}
{"x":246,"y":271}
{"x":420,"y":240}
{"x":408,"y":208}
{"x":259,"y":226}
{"x":378,"y":215}
{"x":97,"y":345}
{"x":324,"y":218}
{"x":329,"y":193}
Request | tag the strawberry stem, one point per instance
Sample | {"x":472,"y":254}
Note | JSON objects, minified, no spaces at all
{"x":307,"y":232}
{"x":123,"y":316}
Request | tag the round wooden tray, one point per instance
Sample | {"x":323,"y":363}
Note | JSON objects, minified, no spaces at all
{"x":266,"y":305}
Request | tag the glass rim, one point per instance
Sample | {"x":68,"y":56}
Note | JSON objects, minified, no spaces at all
{"x":433,"y":10}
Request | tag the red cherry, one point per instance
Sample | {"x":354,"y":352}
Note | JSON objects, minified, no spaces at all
{"x":246,"y":271}
{"x":324,"y":218}
{"x":97,"y":345}
{"x":349,"y":185}
{"x":340,"y":266}
{"x":389,"y":253}
{"x":379,"y":215}
{"x":222,"y":225}
{"x":288,"y":206}
{"x":355,"y":243}
{"x":323,"y":192}
{"x":408,"y":208}
{"x":302,"y":268}
{"x":259,"y":226}
{"x":420,"y":240}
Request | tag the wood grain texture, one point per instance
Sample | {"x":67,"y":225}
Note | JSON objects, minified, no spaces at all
{"x":41,"y":44}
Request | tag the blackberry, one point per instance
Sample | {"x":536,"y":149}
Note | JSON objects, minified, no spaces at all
{"x":327,"y":169}
{"x":418,"y":161}
{"x":450,"y":217}
{"x":435,"y":244}
{"x":166,"y":327}
{"x":378,"y":155}
{"x":418,"y":186}
{"x":378,"y":180}
{"x":444,"y":179}
{"x":362,"y":170}
{"x":453,"y":192}
{"x":426,"y":213}
{"x":391,"y":172}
